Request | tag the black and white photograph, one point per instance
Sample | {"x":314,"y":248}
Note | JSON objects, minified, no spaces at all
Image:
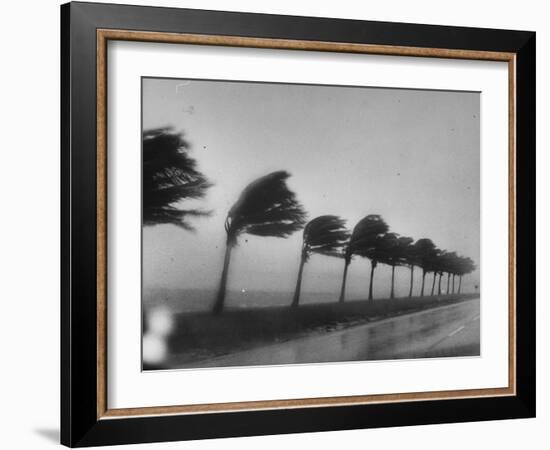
{"x":292,"y":223}
{"x":276,"y":224}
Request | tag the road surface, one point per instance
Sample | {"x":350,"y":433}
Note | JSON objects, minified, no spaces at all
{"x":452,"y":330}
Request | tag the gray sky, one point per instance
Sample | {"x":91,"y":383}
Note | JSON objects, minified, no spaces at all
{"x":410,"y":155}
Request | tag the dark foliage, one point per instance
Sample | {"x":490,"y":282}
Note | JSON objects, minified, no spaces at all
{"x":449,"y":262}
{"x":325,"y":235}
{"x":464,"y":266}
{"x":364,"y":242}
{"x":392,"y":249}
{"x":365,"y":237}
{"x":170,"y":176}
{"x":266,"y":207}
{"x":424,"y":253}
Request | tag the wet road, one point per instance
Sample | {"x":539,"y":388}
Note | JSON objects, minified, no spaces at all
{"x":447,"y":331}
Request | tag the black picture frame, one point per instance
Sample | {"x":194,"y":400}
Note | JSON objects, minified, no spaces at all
{"x":80,"y":425}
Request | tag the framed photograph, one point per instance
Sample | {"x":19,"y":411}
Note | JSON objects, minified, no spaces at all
{"x":277,"y":224}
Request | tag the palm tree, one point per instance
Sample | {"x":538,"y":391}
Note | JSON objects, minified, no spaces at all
{"x":455,"y":274}
{"x":433,"y":282}
{"x":169,"y":175}
{"x":266,"y":207}
{"x":444,"y":264}
{"x":450,"y":264}
{"x":465,"y":266}
{"x":324,"y":235}
{"x":411,"y":259}
{"x":425,"y":251}
{"x":347,"y":260}
{"x":435,"y":267}
{"x":453,"y":283}
{"x":392,"y":250}
{"x":363,"y":242}
{"x":440,"y":267}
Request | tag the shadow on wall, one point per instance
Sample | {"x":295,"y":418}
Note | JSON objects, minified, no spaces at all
{"x":49,"y":434}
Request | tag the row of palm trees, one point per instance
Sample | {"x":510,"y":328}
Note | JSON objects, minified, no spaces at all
{"x":267,"y":207}
{"x":327,"y":235}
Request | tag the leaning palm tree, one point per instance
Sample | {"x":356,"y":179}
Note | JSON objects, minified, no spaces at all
{"x":435,"y":273}
{"x":435,"y":267}
{"x":400,"y":257}
{"x":324,"y":235}
{"x":392,"y":250}
{"x":425,"y":251}
{"x":363,"y":242}
{"x":455,"y":273}
{"x":449,"y":266}
{"x":411,"y":259}
{"x":439,"y":269}
{"x":266,"y":207}
{"x":169,"y":176}
{"x":465,"y":266}
{"x":453,"y":282}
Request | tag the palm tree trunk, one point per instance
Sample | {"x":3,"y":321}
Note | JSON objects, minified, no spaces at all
{"x":433,"y":284}
{"x":454,"y":276}
{"x":439,"y":284}
{"x":296,"y":299}
{"x":220,"y":299}
{"x":392,"y":280}
{"x":412,"y":280}
{"x":448,"y":282}
{"x":423,"y":279}
{"x":344,"y":278}
{"x":459,"y":283}
{"x":372,"y":266}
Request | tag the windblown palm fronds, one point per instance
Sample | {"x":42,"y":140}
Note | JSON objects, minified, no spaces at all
{"x":464,"y":267}
{"x":393,"y":250}
{"x":365,"y":235}
{"x":425,"y":253}
{"x":266,"y":207}
{"x":170,"y":175}
{"x":363,"y":242}
{"x":448,"y":266}
{"x":326,"y":235}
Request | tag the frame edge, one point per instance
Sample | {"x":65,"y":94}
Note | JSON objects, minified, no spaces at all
{"x":81,"y":431}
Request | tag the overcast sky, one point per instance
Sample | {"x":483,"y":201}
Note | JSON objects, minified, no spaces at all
{"x":411,"y":156}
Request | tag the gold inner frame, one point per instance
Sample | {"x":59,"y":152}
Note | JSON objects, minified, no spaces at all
{"x":104,"y":35}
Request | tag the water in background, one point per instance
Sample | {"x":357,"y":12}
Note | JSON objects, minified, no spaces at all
{"x":195,"y":300}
